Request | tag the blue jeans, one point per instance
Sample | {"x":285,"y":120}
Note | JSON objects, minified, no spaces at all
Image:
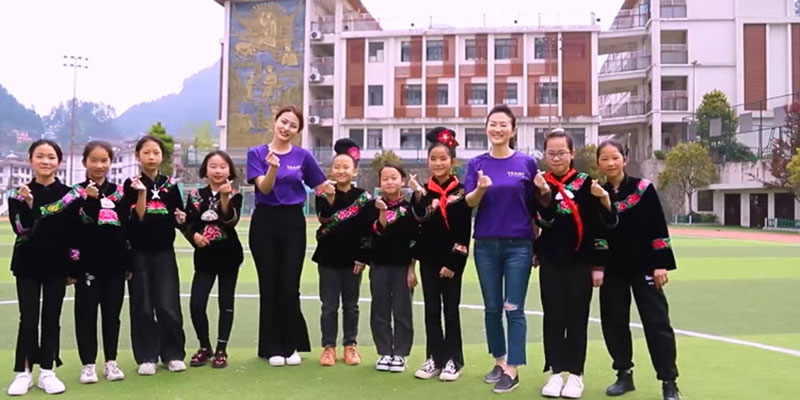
{"x":504,"y":269}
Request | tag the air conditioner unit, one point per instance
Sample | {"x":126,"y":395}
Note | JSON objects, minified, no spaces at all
{"x":315,"y":77}
{"x":313,"y":120}
{"x":315,"y":35}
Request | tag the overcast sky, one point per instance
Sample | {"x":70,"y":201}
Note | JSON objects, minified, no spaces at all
{"x":144,"y":49}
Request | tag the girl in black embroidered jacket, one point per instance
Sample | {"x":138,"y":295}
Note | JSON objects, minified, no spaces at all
{"x":640,"y":256}
{"x":338,"y":242}
{"x":155,"y":307}
{"x":42,"y":214}
{"x":442,"y":249}
{"x":574,"y":218}
{"x":390,"y":235}
{"x":104,"y":263}
{"x":212,"y":213}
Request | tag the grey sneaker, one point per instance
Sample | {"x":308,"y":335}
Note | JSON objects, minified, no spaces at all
{"x":494,"y":375}
{"x":506,"y":384}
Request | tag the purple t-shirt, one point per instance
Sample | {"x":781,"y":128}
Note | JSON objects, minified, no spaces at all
{"x":298,"y":166}
{"x":506,"y":210}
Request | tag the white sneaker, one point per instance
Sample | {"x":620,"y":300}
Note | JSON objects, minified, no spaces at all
{"x":428,"y":370}
{"x":49,"y":382}
{"x":384,"y":363}
{"x":450,"y":372}
{"x":277,"y":361}
{"x":88,"y":374}
{"x":574,"y":387}
{"x":294,"y":359}
{"x":553,"y":386}
{"x":21,"y":383}
{"x":147,"y":368}
{"x":398,"y":364}
{"x":176,"y":366}
{"x":112,"y":371}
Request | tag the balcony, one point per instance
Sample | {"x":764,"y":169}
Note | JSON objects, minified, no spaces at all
{"x":326,"y":24}
{"x":674,"y":100}
{"x":322,"y":65}
{"x":360,"y":22}
{"x":631,"y":106}
{"x":629,"y":19}
{"x":674,"y":54}
{"x":321,"y":108}
{"x":625,"y":62}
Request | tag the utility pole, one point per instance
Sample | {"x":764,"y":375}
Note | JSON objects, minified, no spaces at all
{"x":74,"y":62}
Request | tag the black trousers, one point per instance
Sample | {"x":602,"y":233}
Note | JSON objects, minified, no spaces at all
{"x":615,"y":311}
{"x":566,"y":292}
{"x":202,"y":283}
{"x":278,"y":243}
{"x":390,"y":310}
{"x":337,"y":283}
{"x":30,"y":349}
{"x":155,"y":307}
{"x":442,"y":295}
{"x":106,"y":293}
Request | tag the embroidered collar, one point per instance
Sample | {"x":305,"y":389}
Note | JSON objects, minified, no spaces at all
{"x":633,"y":198}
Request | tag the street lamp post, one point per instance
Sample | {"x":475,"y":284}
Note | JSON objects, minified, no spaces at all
{"x":74,"y":62}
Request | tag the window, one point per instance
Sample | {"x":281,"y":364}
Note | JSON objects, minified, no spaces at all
{"x":544,"y":48}
{"x":375,"y":95}
{"x":510,"y":96}
{"x":472,"y":51}
{"x":413,"y":95}
{"x":477,"y":94}
{"x":16,"y":170}
{"x":476,"y":138}
{"x":374,"y":138}
{"x":441,"y":95}
{"x":357,"y":135}
{"x":547,"y":92}
{"x":578,"y":136}
{"x":705,"y":200}
{"x":673,"y":9}
{"x":538,"y":139}
{"x":505,"y":49}
{"x":405,"y":51}
{"x":376,"y":52}
{"x":411,"y":138}
{"x":434,"y":50}
{"x":784,"y":206}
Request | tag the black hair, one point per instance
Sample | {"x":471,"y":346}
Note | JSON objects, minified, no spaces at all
{"x":150,"y":138}
{"x":433,"y":136}
{"x":345,"y":147}
{"x":231,"y":168}
{"x":613,"y":143}
{"x":41,"y":142}
{"x":502,"y":108}
{"x":294,"y":110}
{"x":392,"y":164}
{"x":95,"y":144}
{"x":560,"y":133}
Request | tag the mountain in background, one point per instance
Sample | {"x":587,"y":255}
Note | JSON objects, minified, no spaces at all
{"x":196,"y":104}
{"x":14,"y":115}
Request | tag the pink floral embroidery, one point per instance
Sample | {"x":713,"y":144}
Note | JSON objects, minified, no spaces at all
{"x":577,"y":183}
{"x":391,"y":216}
{"x":643,"y":184}
{"x":74,"y":254}
{"x":68,"y":198}
{"x":347,"y":212}
{"x":622,"y":207}
{"x":107,"y":216}
{"x":634,"y":198}
{"x":661,"y":244}
{"x":212,"y":233}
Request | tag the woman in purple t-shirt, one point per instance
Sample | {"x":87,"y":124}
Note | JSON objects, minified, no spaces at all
{"x":280,"y":172}
{"x":500,"y":182}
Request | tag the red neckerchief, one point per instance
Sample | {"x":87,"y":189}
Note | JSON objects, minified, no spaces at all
{"x":573,"y":206}
{"x":433,"y":186}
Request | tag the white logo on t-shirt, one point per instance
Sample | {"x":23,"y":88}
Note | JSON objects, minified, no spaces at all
{"x":517,"y":174}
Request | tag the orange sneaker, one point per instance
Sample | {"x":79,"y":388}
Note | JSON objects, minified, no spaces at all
{"x":351,"y":356}
{"x":328,"y":358}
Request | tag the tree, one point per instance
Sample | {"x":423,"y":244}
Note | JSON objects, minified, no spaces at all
{"x":203,"y":138}
{"x":688,"y":168}
{"x":92,"y":120}
{"x":715,"y":105}
{"x":160,"y":132}
{"x":586,"y":161}
{"x":794,"y":171}
{"x":784,"y":151}
{"x":384,"y":156}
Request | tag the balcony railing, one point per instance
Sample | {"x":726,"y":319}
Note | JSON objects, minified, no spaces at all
{"x":326,"y":24}
{"x":629,"y":19}
{"x":360,"y":22}
{"x":323,"y":65}
{"x":633,"y":105}
{"x":674,"y":100}
{"x":321,"y":108}
{"x":623,"y":62}
{"x":674,"y":54}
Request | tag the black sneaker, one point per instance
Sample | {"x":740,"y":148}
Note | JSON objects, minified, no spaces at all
{"x":494,"y":375}
{"x":506,"y":384}
{"x":624,"y":384}
{"x":669,"y":390}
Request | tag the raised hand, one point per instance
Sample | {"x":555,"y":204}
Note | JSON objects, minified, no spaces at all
{"x":541,"y":183}
{"x":273,"y":160}
{"x":180,"y":217}
{"x":226,"y":189}
{"x":26,"y":194}
{"x":597,"y":190}
{"x":92,"y":190}
{"x":415,"y":186}
{"x":137,"y":184}
{"x":380,"y":204}
{"x":484,"y":181}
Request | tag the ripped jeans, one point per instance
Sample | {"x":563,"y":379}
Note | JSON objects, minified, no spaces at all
{"x":504,"y":269}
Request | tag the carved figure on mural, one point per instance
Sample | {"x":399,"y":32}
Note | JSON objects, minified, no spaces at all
{"x":289,"y":58}
{"x":268,"y":27}
{"x":270,"y":82}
